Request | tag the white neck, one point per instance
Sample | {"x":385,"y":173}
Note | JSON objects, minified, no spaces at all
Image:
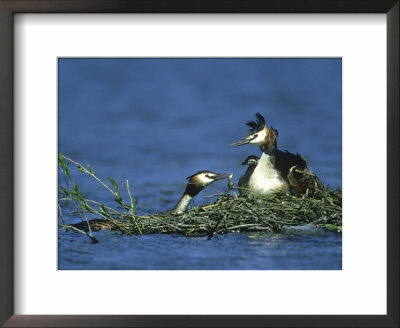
{"x":182,"y":204}
{"x":266,"y":162}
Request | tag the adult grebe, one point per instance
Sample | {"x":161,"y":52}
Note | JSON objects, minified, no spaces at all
{"x":271,"y":173}
{"x":197,"y":182}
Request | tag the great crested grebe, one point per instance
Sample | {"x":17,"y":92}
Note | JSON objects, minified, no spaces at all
{"x":271,"y":173}
{"x":197,"y":182}
{"x":252,"y":162}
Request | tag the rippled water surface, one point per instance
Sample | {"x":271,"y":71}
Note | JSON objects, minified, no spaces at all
{"x":256,"y":251}
{"x":156,"y":121}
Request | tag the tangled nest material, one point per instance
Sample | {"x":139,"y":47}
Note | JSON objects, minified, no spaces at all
{"x":273,"y":213}
{"x":234,"y":214}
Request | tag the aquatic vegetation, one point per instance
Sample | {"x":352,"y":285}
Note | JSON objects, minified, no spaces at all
{"x":71,"y":193}
{"x":229,"y":213}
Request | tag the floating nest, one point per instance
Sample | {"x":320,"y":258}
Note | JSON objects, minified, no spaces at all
{"x":234,"y":214}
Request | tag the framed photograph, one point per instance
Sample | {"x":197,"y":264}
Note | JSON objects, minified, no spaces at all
{"x":167,"y":139}
{"x":126,"y":117}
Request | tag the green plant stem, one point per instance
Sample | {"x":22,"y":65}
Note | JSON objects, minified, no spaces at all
{"x":91,"y":174}
{"x":133,"y":206}
{"x":91,"y":201}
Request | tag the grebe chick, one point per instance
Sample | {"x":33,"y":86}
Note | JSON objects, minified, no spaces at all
{"x":197,"y":182}
{"x":301,"y":180}
{"x":252,"y":162}
{"x":270,"y":175}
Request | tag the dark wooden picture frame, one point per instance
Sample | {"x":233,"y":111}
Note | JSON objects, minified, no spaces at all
{"x":10,"y":7}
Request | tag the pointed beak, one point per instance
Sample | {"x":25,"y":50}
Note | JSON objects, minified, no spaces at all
{"x":220,"y":176}
{"x":242,"y":142}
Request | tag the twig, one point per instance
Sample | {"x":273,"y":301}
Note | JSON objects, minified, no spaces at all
{"x":210,"y":235}
{"x":61,"y":215}
{"x":93,"y":239}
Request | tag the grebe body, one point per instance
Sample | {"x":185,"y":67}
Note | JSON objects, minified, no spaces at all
{"x":261,"y":177}
{"x":265,"y":178}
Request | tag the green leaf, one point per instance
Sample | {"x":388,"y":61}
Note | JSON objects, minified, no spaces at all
{"x":104,"y":210}
{"x":333,"y":227}
{"x":118,"y":199}
{"x":90,"y":168}
{"x":80,"y":168}
{"x":63,"y":191}
{"x":133,"y":206}
{"x":64,"y":166}
{"x":85,"y":206}
{"x":115,"y":185}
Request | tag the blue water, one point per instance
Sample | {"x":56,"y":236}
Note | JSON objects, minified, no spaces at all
{"x":256,"y":251}
{"x":156,"y":121}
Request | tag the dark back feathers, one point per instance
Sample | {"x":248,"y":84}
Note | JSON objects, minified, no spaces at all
{"x":285,"y":160}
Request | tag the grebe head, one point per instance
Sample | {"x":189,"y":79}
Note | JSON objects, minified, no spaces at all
{"x":260,"y":135}
{"x":251,"y":160}
{"x":205,"y":178}
{"x":198,"y":181}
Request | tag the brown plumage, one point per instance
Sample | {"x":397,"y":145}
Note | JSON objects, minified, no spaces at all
{"x":302,"y":179}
